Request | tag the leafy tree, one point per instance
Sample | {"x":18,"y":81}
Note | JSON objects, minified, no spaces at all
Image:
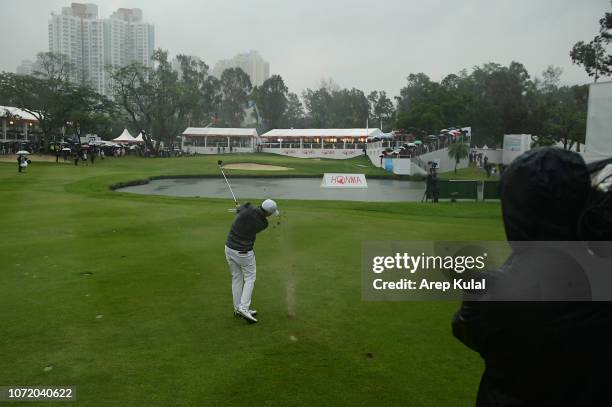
{"x":566,"y":118}
{"x":35,"y":96}
{"x":89,"y":112}
{"x":381,"y":107}
{"x":161,"y":102}
{"x":294,"y":114}
{"x":417,"y":89}
{"x":54,"y":67}
{"x":172,"y":108}
{"x":236,"y":89}
{"x":333,"y":107}
{"x":501,"y":99}
{"x":419,"y":104}
{"x":458,"y":151}
{"x":350,"y":108}
{"x":319,"y":106}
{"x":272,"y":101}
{"x":593,"y":56}
{"x":137,"y":94}
{"x":329,"y":85}
{"x":53,"y":100}
{"x":201,"y":92}
{"x":551,"y":78}
{"x":556,"y":114}
{"x":493,"y":99}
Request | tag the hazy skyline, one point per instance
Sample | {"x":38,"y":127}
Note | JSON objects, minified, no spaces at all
{"x":364,"y":44}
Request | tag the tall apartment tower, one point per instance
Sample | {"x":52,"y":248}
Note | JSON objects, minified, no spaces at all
{"x":78,"y":34}
{"x":92,"y":44}
{"x":251,"y":63}
{"x":129,"y":38}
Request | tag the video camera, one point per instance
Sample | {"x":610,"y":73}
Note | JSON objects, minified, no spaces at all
{"x":433,"y":166}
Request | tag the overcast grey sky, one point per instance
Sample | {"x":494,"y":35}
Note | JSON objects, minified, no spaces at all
{"x":368,"y":44}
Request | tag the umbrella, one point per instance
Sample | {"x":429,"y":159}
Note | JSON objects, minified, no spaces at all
{"x":22,"y":152}
{"x":411,"y":145}
{"x":66,"y":149}
{"x":418,"y":142}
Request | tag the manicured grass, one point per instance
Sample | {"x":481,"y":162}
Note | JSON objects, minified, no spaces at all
{"x":152,"y":269}
{"x":469,"y":173}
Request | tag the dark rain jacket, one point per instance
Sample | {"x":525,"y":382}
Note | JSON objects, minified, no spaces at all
{"x":542,"y":353}
{"x":250,"y":220}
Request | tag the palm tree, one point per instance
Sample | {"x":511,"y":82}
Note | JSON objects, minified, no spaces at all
{"x":458,"y":151}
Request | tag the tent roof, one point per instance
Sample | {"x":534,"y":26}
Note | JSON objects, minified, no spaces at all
{"x":14,"y":111}
{"x":372,"y":132}
{"x":125,"y":136}
{"x":219,"y":131}
{"x":139,"y":137}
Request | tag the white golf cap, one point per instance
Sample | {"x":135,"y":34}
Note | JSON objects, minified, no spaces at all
{"x":270,"y":207}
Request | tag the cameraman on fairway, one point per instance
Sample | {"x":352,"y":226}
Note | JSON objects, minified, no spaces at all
{"x":240,"y":256}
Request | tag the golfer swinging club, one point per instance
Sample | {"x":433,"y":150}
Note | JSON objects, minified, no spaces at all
{"x":240,"y":256}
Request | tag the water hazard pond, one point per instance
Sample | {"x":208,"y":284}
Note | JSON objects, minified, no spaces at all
{"x":379,"y":190}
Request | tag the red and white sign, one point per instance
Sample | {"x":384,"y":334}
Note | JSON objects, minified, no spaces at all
{"x":344,"y":181}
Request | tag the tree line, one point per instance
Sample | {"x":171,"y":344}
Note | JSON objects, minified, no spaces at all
{"x":161,"y":101}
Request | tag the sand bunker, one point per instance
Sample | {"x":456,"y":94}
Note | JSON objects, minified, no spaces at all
{"x":255,"y":167}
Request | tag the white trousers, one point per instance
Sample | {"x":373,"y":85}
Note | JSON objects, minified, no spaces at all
{"x":243,"y":269}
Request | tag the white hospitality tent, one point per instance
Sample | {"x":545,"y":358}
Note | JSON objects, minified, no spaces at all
{"x":125,"y":137}
{"x":320,"y":138}
{"x":219,"y":137}
{"x":16,"y":124}
{"x":139,"y":138}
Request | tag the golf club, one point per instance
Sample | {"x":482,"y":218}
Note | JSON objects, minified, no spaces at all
{"x":220,"y":163}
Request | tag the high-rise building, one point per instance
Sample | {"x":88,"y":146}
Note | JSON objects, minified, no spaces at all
{"x":78,"y":34}
{"x":93,"y":44}
{"x":251,"y":63}
{"x":129,"y":38}
{"x":26,"y":67}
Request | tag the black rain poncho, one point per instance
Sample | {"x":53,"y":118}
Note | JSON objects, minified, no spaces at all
{"x":541,"y":353}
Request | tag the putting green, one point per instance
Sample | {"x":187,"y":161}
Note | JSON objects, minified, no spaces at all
{"x":127,"y":296}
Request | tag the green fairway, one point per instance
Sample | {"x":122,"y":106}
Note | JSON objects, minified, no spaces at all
{"x":469,"y":173}
{"x":128,"y":297}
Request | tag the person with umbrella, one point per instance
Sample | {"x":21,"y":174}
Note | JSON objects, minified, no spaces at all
{"x":22,"y":162}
